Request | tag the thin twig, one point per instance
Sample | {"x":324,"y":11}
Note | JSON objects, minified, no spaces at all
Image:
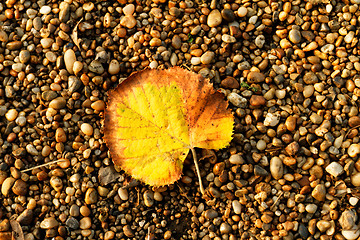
{"x":202,"y":190}
{"x":43,"y":165}
{"x":278,"y":198}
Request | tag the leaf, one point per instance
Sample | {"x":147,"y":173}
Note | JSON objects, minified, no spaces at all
{"x":155,"y":117}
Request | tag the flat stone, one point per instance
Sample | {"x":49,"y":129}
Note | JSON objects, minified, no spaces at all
{"x":255,"y":77}
{"x":107,"y":175}
{"x":49,"y":223}
{"x":319,"y":192}
{"x":335,"y":169}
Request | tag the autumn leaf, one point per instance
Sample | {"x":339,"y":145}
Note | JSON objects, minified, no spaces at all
{"x":155,"y":117}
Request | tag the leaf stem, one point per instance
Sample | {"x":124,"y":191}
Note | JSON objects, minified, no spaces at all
{"x":202,"y":190}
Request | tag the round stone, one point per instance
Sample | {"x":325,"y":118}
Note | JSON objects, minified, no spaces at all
{"x":87,"y":129}
{"x":214,"y":19}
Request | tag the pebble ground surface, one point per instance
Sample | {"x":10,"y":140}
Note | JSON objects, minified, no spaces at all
{"x":290,"y":70}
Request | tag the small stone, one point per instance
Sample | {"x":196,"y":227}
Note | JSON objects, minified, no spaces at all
{"x":24,"y":56}
{"x":91,"y":196}
{"x":45,"y":10}
{"x":69,"y":59}
{"x":32,"y":150}
{"x":98,"y":105}
{"x":5,"y":225}
{"x":128,"y":231}
{"x":228,"y":38}
{"x":15,"y":45}
{"x":236,"y":159}
{"x":148,"y":198}
{"x":96,"y":67}
{"x":353,"y":150}
{"x":355,"y":179}
{"x":271,"y":119}
{"x":64,"y":13}
{"x":207,"y":57}
{"x":323,"y":225}
{"x":58,"y":103}
{"x":230,"y":82}
{"x":228,"y":15}
{"x":295,"y":36}
{"x":77,"y":67}
{"x":26,"y":217}
{"x":128,"y":21}
{"x":225,"y":228}
{"x":60,"y":135}
{"x":354,"y":121}
{"x":3,"y":36}
{"x":211,"y":214}
{"x":85,"y":223}
{"x":107,"y":175}
{"x":257,"y":100}
{"x":260,"y":41}
{"x":348,"y":219}
{"x":308,"y":91}
{"x":123,"y":194}
{"x":87,"y":129}
{"x":311,"y":208}
{"x":11,"y":115}
{"x":310,"y":78}
{"x":255,"y":77}
{"x":129,"y":9}
{"x":72,"y":223}
{"x":351,"y":234}
{"x":242,"y":11}
{"x":167,"y":234}
{"x":6,"y":236}
{"x":56,"y":183}
{"x":237,"y":100}
{"x":49,"y":95}
{"x":353,"y":201}
{"x":20,"y":187}
{"x":292,"y":148}
{"x":214,"y":19}
{"x":49,"y":223}
{"x":335,"y":169}
{"x":319,"y":192}
{"x":276,"y":168}
{"x":114,"y":67}
{"x":236,"y":206}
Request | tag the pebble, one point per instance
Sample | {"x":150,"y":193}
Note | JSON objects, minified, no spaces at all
{"x":49,"y":223}
{"x":319,"y":192}
{"x":45,"y":10}
{"x":353,"y":150}
{"x":60,"y":135}
{"x":26,"y":217}
{"x":96,"y":67}
{"x":257,"y":100}
{"x":354,"y":121}
{"x":236,"y":206}
{"x":123,"y":194}
{"x":260,"y":41}
{"x":128,"y":21}
{"x":69,"y":59}
{"x":91,"y":196}
{"x":355,"y":179}
{"x":114,"y":67}
{"x":230,"y":82}
{"x":5,"y":225}
{"x":20,"y":187}
{"x":242,"y":11}
{"x":11,"y":115}
{"x":237,"y":100}
{"x":335,"y":169}
{"x":107,"y":175}
{"x":348,"y":219}
{"x":351,"y":234}
{"x":271,"y":119}
{"x":323,"y":225}
{"x":207,"y":57}
{"x":85,"y":223}
{"x":87,"y":129}
{"x":276,"y":168}
{"x":236,"y":159}
{"x":148,"y":198}
{"x":58,"y":103}
{"x":214,"y":19}
{"x":129,"y":9}
{"x":167,"y":235}
{"x":225,"y":228}
{"x":210,"y":214}
{"x":128,"y":231}
{"x":295,"y":36}
{"x":255,"y":77}
{"x":72,"y":223}
{"x":56,"y":183}
{"x":98,"y":105}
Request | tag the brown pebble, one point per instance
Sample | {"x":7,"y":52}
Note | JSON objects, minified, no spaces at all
{"x":230,"y":82}
{"x":257,"y":100}
{"x":20,"y":187}
{"x":354,"y":121}
{"x":60,"y":135}
{"x":255,"y":77}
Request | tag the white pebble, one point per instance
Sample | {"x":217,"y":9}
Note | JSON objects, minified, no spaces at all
{"x":129,"y":9}
{"x":335,"y":169}
{"x":45,"y":9}
{"x":87,"y":129}
{"x":271,"y":119}
{"x":237,"y":100}
{"x":353,"y":200}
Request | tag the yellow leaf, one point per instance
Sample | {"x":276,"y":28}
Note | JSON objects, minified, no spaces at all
{"x":155,"y":117}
